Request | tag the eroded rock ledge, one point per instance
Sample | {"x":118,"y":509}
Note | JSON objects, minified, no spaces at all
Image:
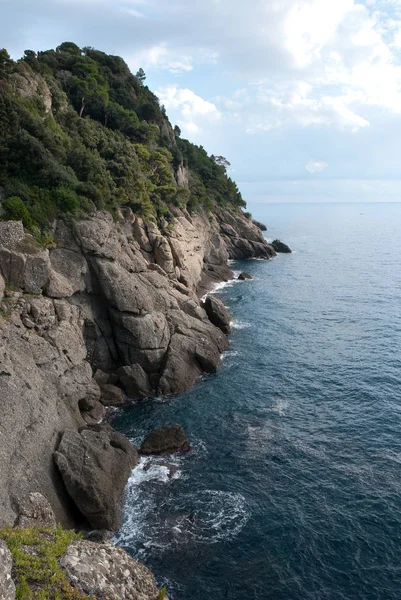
{"x":113,"y":304}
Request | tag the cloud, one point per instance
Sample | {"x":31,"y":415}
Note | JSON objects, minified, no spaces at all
{"x":161,"y":56}
{"x":193,"y":110}
{"x":269,"y":87}
{"x":316,"y":166}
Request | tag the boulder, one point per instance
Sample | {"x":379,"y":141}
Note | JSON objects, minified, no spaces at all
{"x":165,"y":440}
{"x":217,"y":313}
{"x":11,"y":232}
{"x":95,"y":464}
{"x":104,"y":571}
{"x":261,"y":226}
{"x":35,"y":511}
{"x":281,"y":247}
{"x":7,"y":587}
{"x":134,"y":381}
{"x":111,"y":395}
{"x":243,"y":276}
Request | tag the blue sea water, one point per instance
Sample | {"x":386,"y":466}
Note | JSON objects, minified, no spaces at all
{"x":293,"y":488}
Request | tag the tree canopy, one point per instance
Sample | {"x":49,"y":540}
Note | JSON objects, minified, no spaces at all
{"x":104,"y":142}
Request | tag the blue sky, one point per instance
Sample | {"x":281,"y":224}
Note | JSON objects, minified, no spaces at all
{"x":302,"y":96}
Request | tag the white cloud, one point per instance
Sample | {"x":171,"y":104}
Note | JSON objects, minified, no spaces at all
{"x":161,"y":56}
{"x":316,"y":166}
{"x":193,"y":110}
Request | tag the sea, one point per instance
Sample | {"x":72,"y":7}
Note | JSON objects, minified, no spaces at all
{"x":292,"y":489}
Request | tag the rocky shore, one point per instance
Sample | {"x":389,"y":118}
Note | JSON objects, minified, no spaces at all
{"x":110,"y":314}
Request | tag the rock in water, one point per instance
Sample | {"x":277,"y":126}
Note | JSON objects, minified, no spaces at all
{"x":243,"y":276}
{"x":217,"y":313}
{"x":95,"y":464}
{"x":104,"y":571}
{"x":7,"y":587}
{"x":164,"y":440}
{"x":35,"y":511}
{"x":261,"y":226}
{"x":281,"y":247}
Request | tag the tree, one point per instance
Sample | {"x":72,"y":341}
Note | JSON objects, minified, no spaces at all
{"x":177,"y":131}
{"x":221,"y":161}
{"x":69,"y":47}
{"x":5,"y":62}
{"x":140,"y":75}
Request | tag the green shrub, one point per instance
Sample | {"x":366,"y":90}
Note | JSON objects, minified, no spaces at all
{"x":37,"y":573}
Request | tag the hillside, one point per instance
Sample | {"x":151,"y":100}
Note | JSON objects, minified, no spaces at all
{"x":80,"y":132}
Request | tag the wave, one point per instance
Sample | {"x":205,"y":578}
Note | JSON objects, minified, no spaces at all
{"x":236,"y":324}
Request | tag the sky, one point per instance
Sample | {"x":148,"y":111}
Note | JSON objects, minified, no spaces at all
{"x":303,"y":97}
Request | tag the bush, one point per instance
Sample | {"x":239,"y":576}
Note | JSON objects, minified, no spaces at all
{"x":15,"y":210}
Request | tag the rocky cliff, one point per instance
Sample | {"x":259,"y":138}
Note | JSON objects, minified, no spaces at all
{"x":110,"y":313}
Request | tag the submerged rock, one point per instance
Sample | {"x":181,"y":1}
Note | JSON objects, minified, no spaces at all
{"x":7,"y":587}
{"x":217,"y":313}
{"x":104,"y":571}
{"x":243,"y":276}
{"x":281,"y":247}
{"x":95,"y":464}
{"x":165,"y":440}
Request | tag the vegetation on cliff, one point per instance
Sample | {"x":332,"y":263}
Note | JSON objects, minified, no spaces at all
{"x":79,"y":131}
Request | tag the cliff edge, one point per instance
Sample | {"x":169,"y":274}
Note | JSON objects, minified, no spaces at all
{"x":112,"y":306}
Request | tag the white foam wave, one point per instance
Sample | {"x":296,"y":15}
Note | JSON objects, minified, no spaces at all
{"x":236,"y":324}
{"x":280,"y":406}
{"x":214,"y":516}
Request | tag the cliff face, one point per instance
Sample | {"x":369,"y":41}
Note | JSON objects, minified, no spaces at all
{"x":112,"y":303}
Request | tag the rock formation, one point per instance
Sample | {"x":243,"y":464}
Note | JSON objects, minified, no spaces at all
{"x":165,"y":440}
{"x":261,"y":226}
{"x":104,"y":571}
{"x":7,"y":587}
{"x":118,"y":299}
{"x":243,"y":276}
{"x":217,"y":313}
{"x":281,"y":247}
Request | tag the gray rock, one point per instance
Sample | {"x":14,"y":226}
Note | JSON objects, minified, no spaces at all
{"x":243,"y":276}
{"x":35,"y":511}
{"x":217,"y":313}
{"x":11,"y":232}
{"x":165,"y":440}
{"x":261,"y":226}
{"x":7,"y":587}
{"x":72,"y":266}
{"x":281,"y":247}
{"x":135,"y":381}
{"x":102,"y":570}
{"x":95,"y":465}
{"x":111,"y":395}
{"x":36,"y":272}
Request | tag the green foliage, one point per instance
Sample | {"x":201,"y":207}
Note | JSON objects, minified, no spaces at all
{"x":162,"y":593}
{"x":35,"y":552}
{"x":106,"y":143}
{"x":140,"y":75}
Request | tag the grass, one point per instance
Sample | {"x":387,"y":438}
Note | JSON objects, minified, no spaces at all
{"x":36,"y":571}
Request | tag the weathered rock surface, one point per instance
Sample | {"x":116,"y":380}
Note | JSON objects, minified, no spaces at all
{"x":111,"y":395}
{"x":165,"y":440}
{"x":7,"y":587}
{"x":117,"y":299}
{"x":217,"y":313}
{"x":281,"y":247}
{"x":104,"y":571}
{"x":35,"y":511}
{"x":95,"y":464}
{"x":243,"y":276}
